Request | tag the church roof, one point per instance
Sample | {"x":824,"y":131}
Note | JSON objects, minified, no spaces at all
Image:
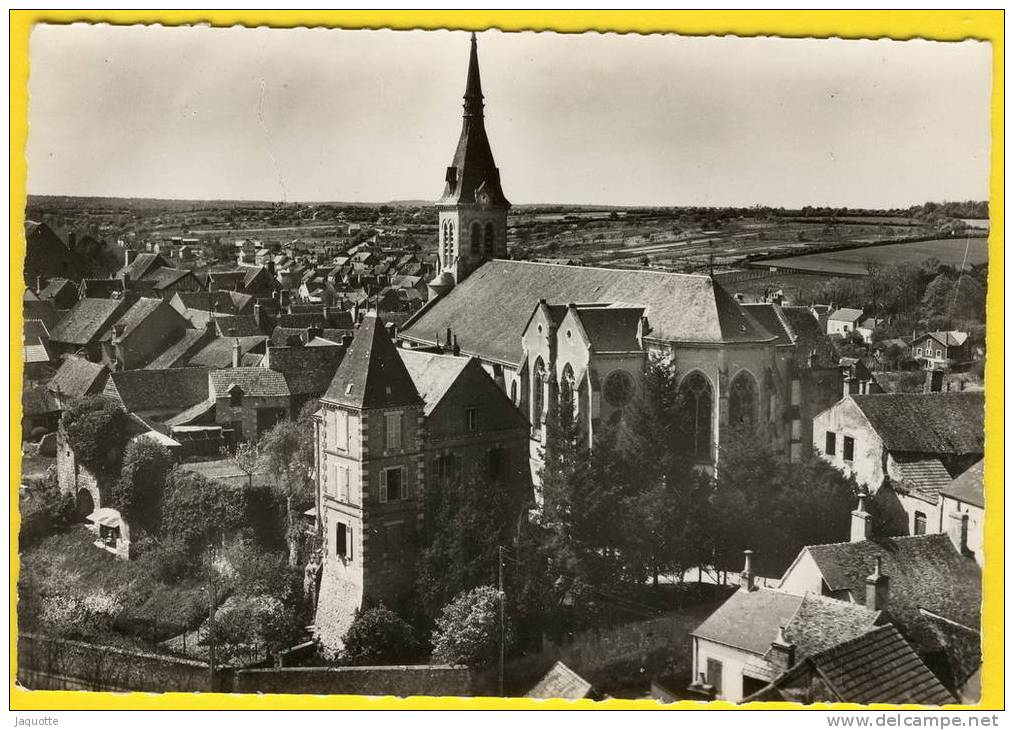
{"x":372,"y":375}
{"x":489,"y":310}
{"x":473,"y":176}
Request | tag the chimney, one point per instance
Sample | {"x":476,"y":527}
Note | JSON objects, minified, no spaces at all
{"x":448,"y":344}
{"x":346,"y":341}
{"x":877,"y":588}
{"x":72,"y":241}
{"x":38,"y":284}
{"x":957,"y":529}
{"x":934,"y":381}
{"x":211,"y":325}
{"x":235,"y":353}
{"x":783,"y":652}
{"x":129,"y":255}
{"x":313,"y":332}
{"x":746,"y":578}
{"x":454,"y":347}
{"x":118,"y":331}
{"x":257,"y":313}
{"x":862,"y":521}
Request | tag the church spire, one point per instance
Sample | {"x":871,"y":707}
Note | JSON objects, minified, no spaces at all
{"x":473,"y":85}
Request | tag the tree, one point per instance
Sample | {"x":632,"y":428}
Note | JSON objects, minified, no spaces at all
{"x":96,"y":429}
{"x":379,"y":636}
{"x":138,"y":493}
{"x":44,"y":509}
{"x":468,"y":630}
{"x":287,"y":452}
{"x":200,"y":511}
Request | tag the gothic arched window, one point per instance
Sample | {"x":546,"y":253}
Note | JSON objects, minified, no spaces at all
{"x":695,"y":405}
{"x":568,"y":403}
{"x":538,"y":392}
{"x":475,"y":239}
{"x":743,"y":399}
{"x":490,"y":239}
{"x":446,"y":248}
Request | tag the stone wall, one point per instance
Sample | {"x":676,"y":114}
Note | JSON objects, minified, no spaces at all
{"x":403,"y":681}
{"x":49,"y":663}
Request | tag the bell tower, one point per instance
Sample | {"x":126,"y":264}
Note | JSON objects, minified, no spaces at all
{"x":473,"y":209}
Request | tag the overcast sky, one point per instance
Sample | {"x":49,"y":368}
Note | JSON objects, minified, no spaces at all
{"x":316,"y":115}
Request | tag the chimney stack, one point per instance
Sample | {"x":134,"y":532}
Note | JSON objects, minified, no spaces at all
{"x":877,"y":588}
{"x":862,"y":521}
{"x":72,"y":241}
{"x":934,"y":381}
{"x":454,"y":348}
{"x":257,"y":313}
{"x":235,"y":353}
{"x":448,"y":344}
{"x":957,"y":530}
{"x":129,"y":255}
{"x":783,"y":652}
{"x":746,"y":578}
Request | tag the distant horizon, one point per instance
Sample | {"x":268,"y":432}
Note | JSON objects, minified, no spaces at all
{"x":319,"y":115}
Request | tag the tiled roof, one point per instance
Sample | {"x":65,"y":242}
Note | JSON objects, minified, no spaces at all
{"x":927,"y":423}
{"x":166,"y":276}
{"x":143,"y":264}
{"x":223,"y":302}
{"x":772,"y":318}
{"x":239,"y":325}
{"x":218,"y":352}
{"x":880,"y":666}
{"x":611,"y":328}
{"x":923,"y":477}
{"x":78,"y":377}
{"x":175,"y":389}
{"x":87,"y":321}
{"x":490,"y":308}
{"x":54,"y":286}
{"x":138,"y":312}
{"x":432,"y":374}
{"x":178,"y":354}
{"x":950,"y":338}
{"x":822,"y":622}
{"x":34,"y":332}
{"x":372,"y":375}
{"x":924,"y":572}
{"x":964,"y":649}
{"x":255,"y":382}
{"x":749,"y":620}
{"x":967,"y":487}
{"x":561,"y":682}
{"x":199,"y":411}
{"x":307,"y":370}
{"x":845,"y":315}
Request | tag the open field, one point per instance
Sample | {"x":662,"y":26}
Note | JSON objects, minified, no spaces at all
{"x":853,"y":262}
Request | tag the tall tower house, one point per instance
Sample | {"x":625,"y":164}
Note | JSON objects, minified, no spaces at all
{"x":473,"y":209}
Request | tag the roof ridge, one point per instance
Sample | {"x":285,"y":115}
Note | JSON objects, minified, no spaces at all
{"x":601,"y":268}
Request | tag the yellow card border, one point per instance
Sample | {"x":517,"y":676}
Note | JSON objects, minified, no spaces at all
{"x":942,"y":25}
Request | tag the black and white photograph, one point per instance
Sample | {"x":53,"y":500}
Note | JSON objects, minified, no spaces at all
{"x":442,"y":363}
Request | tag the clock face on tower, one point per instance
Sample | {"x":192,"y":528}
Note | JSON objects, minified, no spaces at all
{"x":619,"y":388}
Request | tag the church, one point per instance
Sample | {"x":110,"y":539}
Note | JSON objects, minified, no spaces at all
{"x":470,"y":387}
{"x":540,"y":327}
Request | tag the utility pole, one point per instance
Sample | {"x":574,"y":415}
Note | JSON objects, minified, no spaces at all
{"x":211,"y":632}
{"x":500,"y":593}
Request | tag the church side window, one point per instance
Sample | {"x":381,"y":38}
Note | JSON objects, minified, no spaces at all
{"x":489,"y":240}
{"x":475,"y":239}
{"x":743,"y":399}
{"x":696,"y":403}
{"x":538,"y":393}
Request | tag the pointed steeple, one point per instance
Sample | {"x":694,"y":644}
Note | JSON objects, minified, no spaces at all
{"x":473,"y":84}
{"x":473,"y":170}
{"x":372,"y":374}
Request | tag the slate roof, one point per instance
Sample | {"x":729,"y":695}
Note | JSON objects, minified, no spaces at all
{"x":218,"y":352}
{"x":927,"y":423}
{"x":749,"y":620}
{"x":821,"y":622}
{"x":240,"y":325}
{"x":196,"y":412}
{"x":178,"y":354}
{"x":771,"y":318}
{"x":924,"y":477}
{"x":950,"y":338}
{"x":255,"y":382}
{"x":54,"y":286}
{"x":489,"y":309}
{"x":561,"y":682}
{"x":166,"y":276}
{"x":307,"y":370}
{"x":433,"y":374}
{"x":174,"y":389}
{"x":135,"y":316}
{"x":77,"y":377}
{"x":845,"y":315}
{"x":880,"y":666}
{"x":611,"y":328}
{"x":87,"y":321}
{"x":143,"y":264}
{"x":227,"y":302}
{"x":967,"y":487}
{"x":372,"y":375}
{"x":44,"y":311}
{"x":924,"y":572}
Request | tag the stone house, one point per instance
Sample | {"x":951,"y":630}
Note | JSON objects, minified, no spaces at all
{"x":82,"y":329}
{"x":393,"y":424}
{"x":915,"y":443}
{"x":249,"y":400}
{"x":962,"y":511}
{"x":843,"y":321}
{"x":941,"y":350}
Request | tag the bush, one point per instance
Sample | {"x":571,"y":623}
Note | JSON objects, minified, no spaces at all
{"x":96,"y":430}
{"x":468,"y":630}
{"x":199,"y":511}
{"x":138,"y":493}
{"x":44,"y":510}
{"x":167,"y":559}
{"x":379,"y":636}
